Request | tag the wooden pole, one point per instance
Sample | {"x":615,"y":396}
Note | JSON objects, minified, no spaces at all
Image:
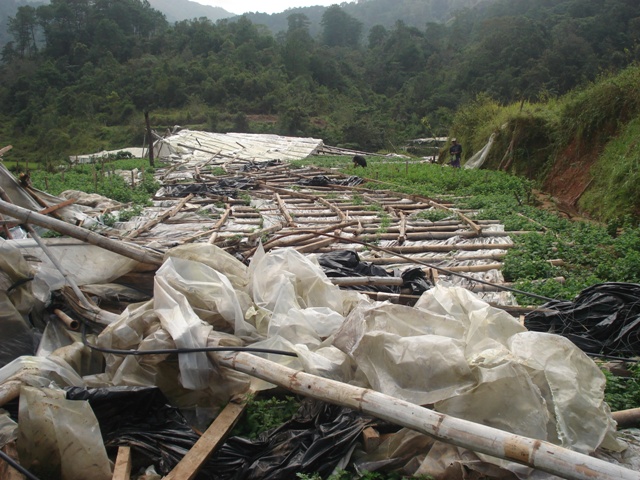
{"x":122,"y":469}
{"x":479,"y":438}
{"x":150,"y":135}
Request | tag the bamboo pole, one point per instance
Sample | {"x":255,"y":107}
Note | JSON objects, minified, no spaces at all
{"x":439,"y":258}
{"x":474,"y":226}
{"x":170,"y":212}
{"x":627,"y":418}
{"x":537,"y":454}
{"x":130,"y":251}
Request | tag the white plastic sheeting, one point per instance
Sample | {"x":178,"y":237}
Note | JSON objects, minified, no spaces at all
{"x":480,"y":156}
{"x":452,"y":350}
{"x":197,"y":147}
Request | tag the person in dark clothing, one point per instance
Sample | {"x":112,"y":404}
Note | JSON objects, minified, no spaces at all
{"x":456,"y":152}
{"x":359,"y":161}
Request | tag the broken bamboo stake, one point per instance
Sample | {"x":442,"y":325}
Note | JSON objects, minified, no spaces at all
{"x":537,"y":454}
{"x":219,"y":224}
{"x":403,"y":228}
{"x":285,"y":212}
{"x":130,"y":251}
{"x":166,"y":214}
{"x":69,"y":322}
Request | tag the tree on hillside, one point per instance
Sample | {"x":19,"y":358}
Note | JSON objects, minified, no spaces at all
{"x":340,"y":29}
{"x":24,"y":29}
{"x":297,"y":46}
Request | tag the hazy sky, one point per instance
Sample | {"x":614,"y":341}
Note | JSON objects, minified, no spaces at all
{"x":268,"y":6}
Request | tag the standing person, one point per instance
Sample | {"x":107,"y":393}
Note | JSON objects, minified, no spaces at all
{"x":456,"y":152}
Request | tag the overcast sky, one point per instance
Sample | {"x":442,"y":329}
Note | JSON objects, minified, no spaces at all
{"x":268,"y":6}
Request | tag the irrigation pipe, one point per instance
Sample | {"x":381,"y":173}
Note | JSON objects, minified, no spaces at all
{"x":537,"y":454}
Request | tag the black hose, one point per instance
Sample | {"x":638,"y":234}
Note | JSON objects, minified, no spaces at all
{"x":17,"y":466}
{"x":166,"y":351}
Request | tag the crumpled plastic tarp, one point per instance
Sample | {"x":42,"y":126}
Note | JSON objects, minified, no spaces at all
{"x":602,"y":319}
{"x":452,"y":350}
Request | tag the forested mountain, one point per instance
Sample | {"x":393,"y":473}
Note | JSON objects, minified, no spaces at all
{"x":414,"y":13}
{"x":174,"y":11}
{"x":100,"y":63}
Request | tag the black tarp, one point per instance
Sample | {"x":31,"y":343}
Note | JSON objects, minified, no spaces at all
{"x":324,"y":181}
{"x":347,"y":263}
{"x":317,"y":437}
{"x":140,"y":417}
{"x":603,"y":319}
{"x":224,"y":188}
{"x":314,"y":441}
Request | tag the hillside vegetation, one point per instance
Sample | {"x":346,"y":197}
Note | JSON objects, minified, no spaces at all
{"x":539,"y":74}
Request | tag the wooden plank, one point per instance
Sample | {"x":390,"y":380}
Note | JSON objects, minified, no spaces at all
{"x":370,"y":439}
{"x":122,"y":470}
{"x":191,"y":463}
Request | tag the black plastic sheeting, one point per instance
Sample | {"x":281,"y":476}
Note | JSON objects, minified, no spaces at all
{"x":223,"y":188}
{"x":324,"y":181}
{"x":603,"y":319}
{"x":140,"y":417}
{"x":346,"y":263}
{"x":314,"y":441}
{"x":260,"y":165}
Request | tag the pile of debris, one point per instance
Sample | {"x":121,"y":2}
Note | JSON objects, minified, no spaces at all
{"x":119,"y":346}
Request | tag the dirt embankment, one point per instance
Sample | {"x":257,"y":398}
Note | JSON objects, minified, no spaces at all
{"x":569,"y":178}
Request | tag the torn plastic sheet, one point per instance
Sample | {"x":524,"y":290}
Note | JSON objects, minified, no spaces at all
{"x":59,"y":438}
{"x":347,"y":263}
{"x":313,"y":441}
{"x":603,"y":319}
{"x":324,"y":181}
{"x":223,"y":188}
{"x":16,"y":302}
{"x":8,"y":429}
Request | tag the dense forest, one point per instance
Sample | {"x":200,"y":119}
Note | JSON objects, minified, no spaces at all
{"x":78,"y":74}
